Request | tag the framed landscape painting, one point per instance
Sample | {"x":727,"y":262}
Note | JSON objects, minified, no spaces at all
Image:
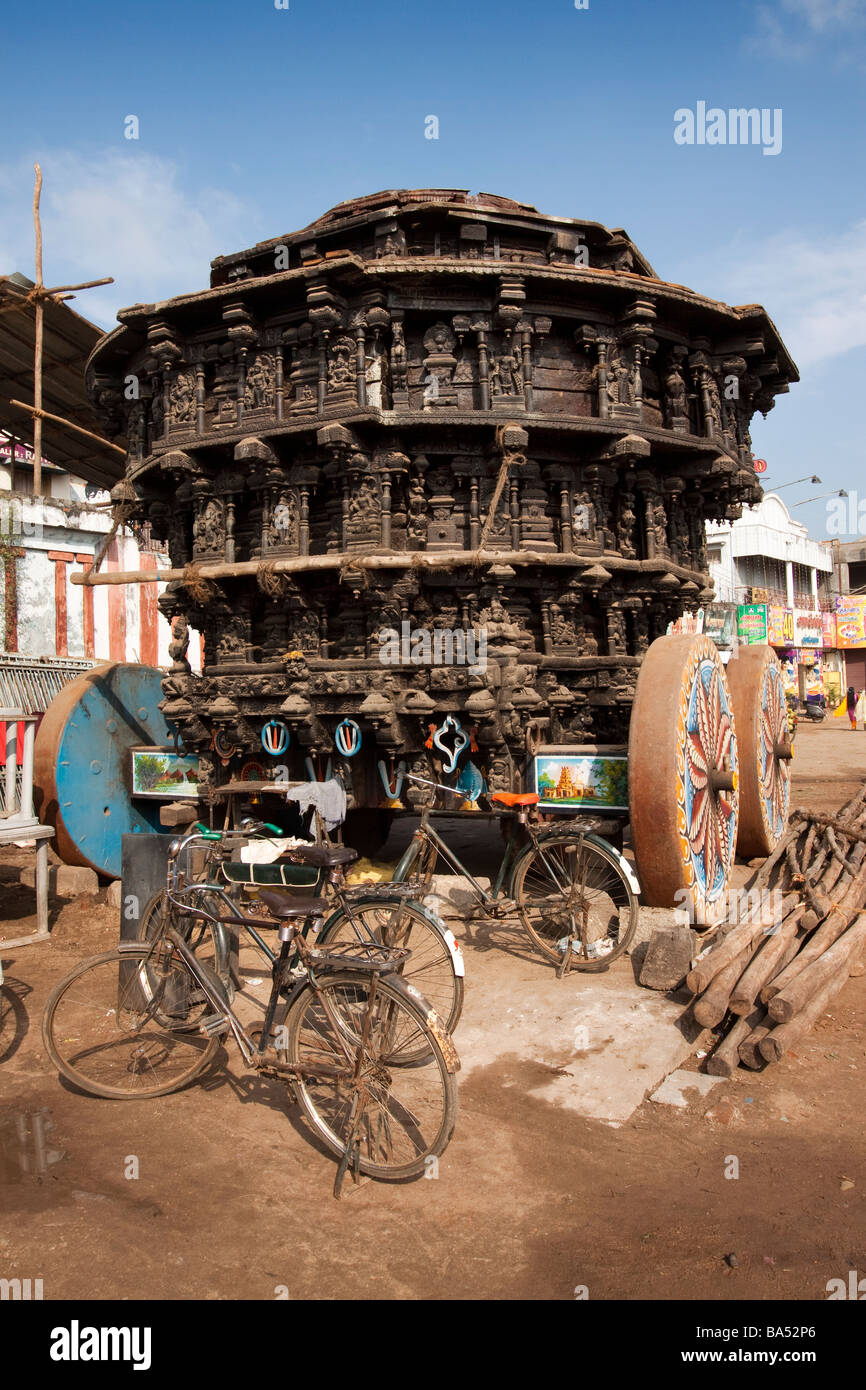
{"x":162,"y":773}
{"x":582,"y":781}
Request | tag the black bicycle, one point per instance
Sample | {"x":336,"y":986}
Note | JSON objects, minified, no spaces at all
{"x":361,"y":1050}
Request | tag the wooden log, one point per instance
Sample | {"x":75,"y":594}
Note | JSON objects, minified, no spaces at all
{"x":835,"y":923}
{"x":762,"y":873}
{"x":406,"y":559}
{"x":743,"y":935}
{"x":788,"y":955}
{"x":837,"y":824}
{"x":750,"y":1049}
{"x":712,"y":1006}
{"x":765,"y":963}
{"x":836,"y":959}
{"x":726,"y":1057}
{"x":785,"y":1035}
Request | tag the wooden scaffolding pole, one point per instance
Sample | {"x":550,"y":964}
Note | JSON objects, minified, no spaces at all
{"x":37,"y":297}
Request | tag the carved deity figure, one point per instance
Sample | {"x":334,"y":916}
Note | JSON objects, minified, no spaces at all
{"x":398,"y":357}
{"x":283,"y":528}
{"x":259,"y":390}
{"x":374,"y":379}
{"x":506,"y":377}
{"x":625,"y":528}
{"x":341,"y":374}
{"x":675,"y":392}
{"x":209,"y":528}
{"x":179,"y":644}
{"x":182,"y":398}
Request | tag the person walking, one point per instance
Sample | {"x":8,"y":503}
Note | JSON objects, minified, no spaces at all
{"x":851,"y":706}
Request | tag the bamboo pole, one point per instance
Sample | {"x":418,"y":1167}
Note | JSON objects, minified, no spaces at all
{"x":59,"y":420}
{"x":37,"y":354}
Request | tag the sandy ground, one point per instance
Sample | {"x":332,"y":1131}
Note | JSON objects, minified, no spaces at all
{"x":533,"y":1200}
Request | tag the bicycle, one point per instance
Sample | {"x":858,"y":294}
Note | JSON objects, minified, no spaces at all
{"x":384,"y":913}
{"x":575,"y":895}
{"x":362,"y":1051}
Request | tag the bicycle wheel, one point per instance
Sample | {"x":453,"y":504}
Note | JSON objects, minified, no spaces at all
{"x":436,"y":964}
{"x":573,"y":890}
{"x":207,"y":941}
{"x":401,"y":1116}
{"x":102,"y":1028}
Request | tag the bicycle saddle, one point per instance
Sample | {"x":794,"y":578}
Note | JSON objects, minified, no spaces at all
{"x":516,"y":798}
{"x":283,"y":906}
{"x":324,"y":856}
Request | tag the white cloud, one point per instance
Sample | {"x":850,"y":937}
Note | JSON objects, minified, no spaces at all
{"x":814,"y":288}
{"x":789,"y":29}
{"x":128,"y":214}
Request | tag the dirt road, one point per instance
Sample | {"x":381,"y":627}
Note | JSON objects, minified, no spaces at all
{"x":232,"y":1198}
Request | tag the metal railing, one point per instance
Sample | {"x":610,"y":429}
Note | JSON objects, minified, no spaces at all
{"x":30,"y":683}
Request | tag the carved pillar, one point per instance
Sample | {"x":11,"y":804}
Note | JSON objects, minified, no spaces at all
{"x":482,"y":327}
{"x":474,"y":518}
{"x":199,"y":397}
{"x":278,"y":383}
{"x":230,"y":531}
{"x":360,"y":362}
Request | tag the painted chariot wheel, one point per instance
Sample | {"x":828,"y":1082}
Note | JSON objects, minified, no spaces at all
{"x":765,"y":749}
{"x":683,"y":778}
{"x":82,"y":764}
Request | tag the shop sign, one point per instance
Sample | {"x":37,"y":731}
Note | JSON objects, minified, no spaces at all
{"x":780,"y":627}
{"x":828,"y":627}
{"x":808,"y":628}
{"x":752,"y":623}
{"x":850,"y":621}
{"x":719,"y":623}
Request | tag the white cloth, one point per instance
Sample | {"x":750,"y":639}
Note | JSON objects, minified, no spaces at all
{"x":266,"y":851}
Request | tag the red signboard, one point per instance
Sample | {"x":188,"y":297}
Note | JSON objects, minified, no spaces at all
{"x":760,"y":465}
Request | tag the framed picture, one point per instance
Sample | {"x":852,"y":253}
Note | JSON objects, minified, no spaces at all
{"x":161,"y":773}
{"x":589,"y":781}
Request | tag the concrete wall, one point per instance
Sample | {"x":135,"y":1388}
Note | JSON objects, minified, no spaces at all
{"x":123,"y":615}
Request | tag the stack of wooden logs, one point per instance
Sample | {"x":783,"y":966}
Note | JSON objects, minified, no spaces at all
{"x":774,"y":970}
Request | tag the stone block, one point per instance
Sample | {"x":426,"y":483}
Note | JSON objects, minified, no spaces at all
{"x":679,"y":1087}
{"x":649,"y":918}
{"x":114,"y":896}
{"x":668,"y":958}
{"x":64,"y":880}
{"x":176,"y":813}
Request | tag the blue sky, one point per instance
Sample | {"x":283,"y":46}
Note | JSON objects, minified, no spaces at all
{"x":254,"y":120}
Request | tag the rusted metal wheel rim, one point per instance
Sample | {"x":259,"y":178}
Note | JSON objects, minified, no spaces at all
{"x":758,"y":692}
{"x":683,"y":778}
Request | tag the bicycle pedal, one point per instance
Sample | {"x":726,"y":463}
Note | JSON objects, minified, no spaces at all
{"x":504,"y":907}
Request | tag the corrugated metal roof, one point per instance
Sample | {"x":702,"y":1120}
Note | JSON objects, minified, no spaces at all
{"x":68,"y":340}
